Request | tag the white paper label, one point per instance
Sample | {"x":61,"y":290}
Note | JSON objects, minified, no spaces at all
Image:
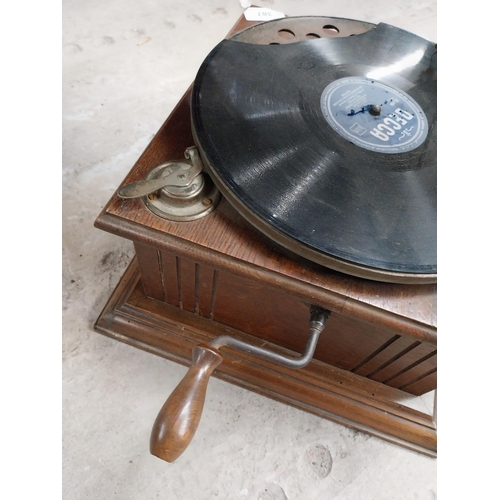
{"x":260,"y":14}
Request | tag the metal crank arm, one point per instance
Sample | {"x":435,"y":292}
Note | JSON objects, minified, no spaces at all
{"x":178,"y":419}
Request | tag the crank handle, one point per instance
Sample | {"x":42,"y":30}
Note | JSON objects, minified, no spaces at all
{"x":178,"y":419}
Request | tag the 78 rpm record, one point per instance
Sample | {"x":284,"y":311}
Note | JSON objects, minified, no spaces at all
{"x":328,"y":146}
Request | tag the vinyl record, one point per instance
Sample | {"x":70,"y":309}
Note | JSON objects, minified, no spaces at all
{"x":328,"y":147}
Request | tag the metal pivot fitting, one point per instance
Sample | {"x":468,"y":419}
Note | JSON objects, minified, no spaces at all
{"x":176,"y":190}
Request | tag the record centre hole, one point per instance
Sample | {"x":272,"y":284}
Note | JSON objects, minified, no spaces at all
{"x":286,"y":34}
{"x":312,"y":36}
{"x":330,"y":29}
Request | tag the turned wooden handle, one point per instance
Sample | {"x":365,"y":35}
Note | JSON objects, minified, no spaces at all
{"x":176,"y":424}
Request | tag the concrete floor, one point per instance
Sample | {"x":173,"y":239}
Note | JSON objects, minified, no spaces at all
{"x":125,"y":66}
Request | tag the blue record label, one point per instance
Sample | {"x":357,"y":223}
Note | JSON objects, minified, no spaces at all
{"x":373,"y":115}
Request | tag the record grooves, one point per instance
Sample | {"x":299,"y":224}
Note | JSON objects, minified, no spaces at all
{"x":328,"y":147}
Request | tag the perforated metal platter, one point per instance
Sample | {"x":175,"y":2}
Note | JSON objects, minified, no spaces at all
{"x":322,"y":134}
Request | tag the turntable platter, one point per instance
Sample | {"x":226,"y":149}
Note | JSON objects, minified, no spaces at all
{"x":328,"y":146}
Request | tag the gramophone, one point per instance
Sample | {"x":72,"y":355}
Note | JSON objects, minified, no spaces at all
{"x":284,"y":225}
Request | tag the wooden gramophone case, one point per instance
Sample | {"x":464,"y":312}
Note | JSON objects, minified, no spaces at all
{"x":190,"y":282}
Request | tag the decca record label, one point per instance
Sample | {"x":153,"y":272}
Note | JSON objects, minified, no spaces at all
{"x":373,"y":115}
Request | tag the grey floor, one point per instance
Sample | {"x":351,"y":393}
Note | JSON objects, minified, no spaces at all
{"x":125,"y":66}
